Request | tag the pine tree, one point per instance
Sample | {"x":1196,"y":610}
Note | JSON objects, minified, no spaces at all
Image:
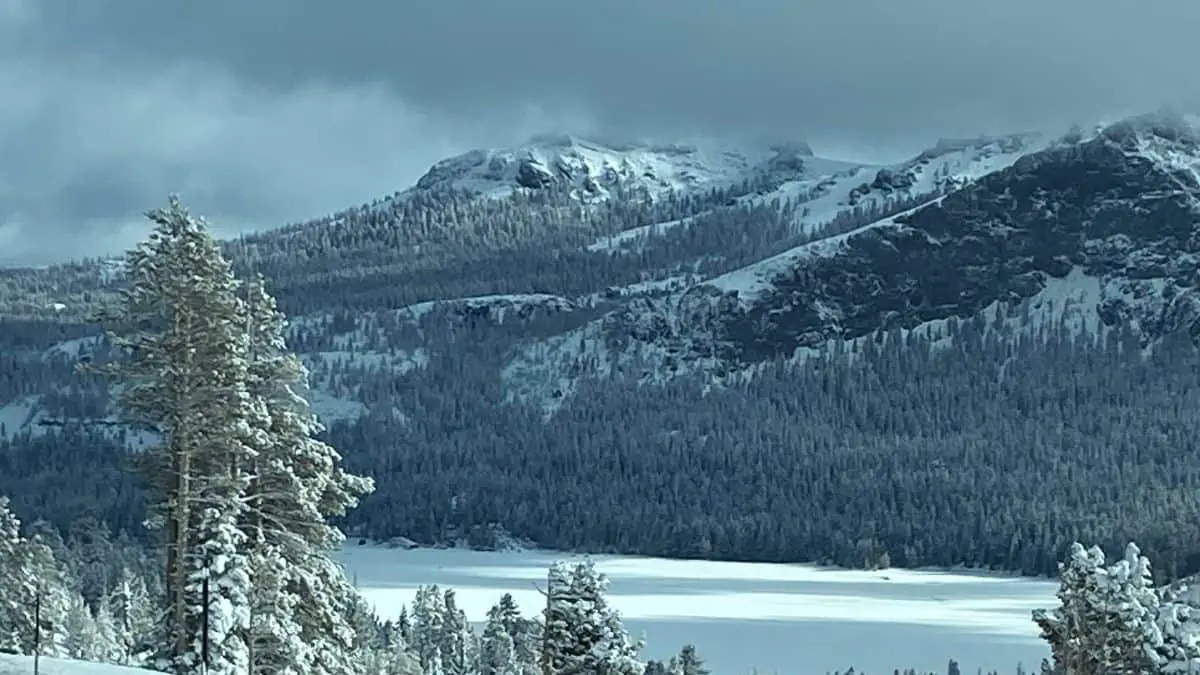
{"x":1107,"y":621}
{"x":508,"y":645}
{"x":457,"y":642}
{"x":404,"y":625}
{"x":655,"y":668}
{"x":12,"y":591}
{"x":296,"y":485}
{"x":106,"y":647}
{"x":34,"y":593}
{"x":371,"y":644}
{"x":273,"y":637}
{"x":1072,"y":628}
{"x":687,"y":662}
{"x":136,"y":618}
{"x":1134,"y":641}
{"x":394,"y":656}
{"x":80,"y":630}
{"x":581,"y":633}
{"x":428,"y":614}
{"x":497,"y":655}
{"x":180,"y":325}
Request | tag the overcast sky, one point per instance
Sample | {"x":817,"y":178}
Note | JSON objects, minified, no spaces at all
{"x":265,"y":111}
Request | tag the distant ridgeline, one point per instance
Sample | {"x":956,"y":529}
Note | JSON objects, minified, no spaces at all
{"x":795,"y":367}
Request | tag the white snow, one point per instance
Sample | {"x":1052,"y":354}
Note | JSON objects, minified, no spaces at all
{"x":592,"y":167}
{"x":329,"y":408}
{"x":949,"y":164}
{"x":21,"y":415}
{"x":752,"y":281}
{"x":72,"y":350}
{"x":1178,"y":159}
{"x":1070,"y":302}
{"x":789,"y":619}
{"x":626,"y":240}
{"x":23,"y":665}
{"x":501,"y":304}
{"x":832,"y":198}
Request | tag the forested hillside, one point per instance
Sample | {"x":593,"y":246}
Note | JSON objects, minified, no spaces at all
{"x":516,"y":366}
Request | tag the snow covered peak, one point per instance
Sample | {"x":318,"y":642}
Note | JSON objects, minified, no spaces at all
{"x":592,"y":170}
{"x":1164,"y":125}
{"x":1169,"y":142}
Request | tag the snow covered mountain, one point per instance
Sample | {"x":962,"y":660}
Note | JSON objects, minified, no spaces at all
{"x":585,"y":294}
{"x":965,"y":227}
{"x":1099,"y":231}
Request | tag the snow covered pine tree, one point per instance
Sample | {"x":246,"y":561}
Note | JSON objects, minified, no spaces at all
{"x":34,"y":597}
{"x":238,"y":480}
{"x":296,"y":483}
{"x":581,"y":634}
{"x":1106,"y":621}
{"x":184,"y":376}
{"x":508,"y":645}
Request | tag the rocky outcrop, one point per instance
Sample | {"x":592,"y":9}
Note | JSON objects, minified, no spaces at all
{"x":532,"y":175}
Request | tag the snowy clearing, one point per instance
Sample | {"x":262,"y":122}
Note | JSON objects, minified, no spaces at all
{"x":790,"y":619}
{"x":23,"y":665}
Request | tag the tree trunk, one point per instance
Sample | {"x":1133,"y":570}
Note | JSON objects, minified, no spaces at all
{"x":179,"y":517}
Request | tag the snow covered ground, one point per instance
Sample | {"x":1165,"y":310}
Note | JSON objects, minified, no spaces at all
{"x":23,"y":665}
{"x":785,"y":619}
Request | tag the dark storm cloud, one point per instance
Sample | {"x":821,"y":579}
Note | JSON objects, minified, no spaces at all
{"x":274,"y":109}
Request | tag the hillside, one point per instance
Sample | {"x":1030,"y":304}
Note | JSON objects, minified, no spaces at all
{"x":730,"y":352}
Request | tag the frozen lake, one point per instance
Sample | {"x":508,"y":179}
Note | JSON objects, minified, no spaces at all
{"x":785,"y":619}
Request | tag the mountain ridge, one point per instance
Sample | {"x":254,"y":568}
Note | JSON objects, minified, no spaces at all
{"x":574,"y":366}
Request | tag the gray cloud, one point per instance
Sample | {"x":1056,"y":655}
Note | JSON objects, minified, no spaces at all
{"x":272,"y":110}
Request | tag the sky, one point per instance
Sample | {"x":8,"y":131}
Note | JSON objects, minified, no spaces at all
{"x":272,"y":111}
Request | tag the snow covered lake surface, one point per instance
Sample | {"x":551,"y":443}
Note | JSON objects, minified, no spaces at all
{"x":23,"y":665}
{"x":785,"y":619}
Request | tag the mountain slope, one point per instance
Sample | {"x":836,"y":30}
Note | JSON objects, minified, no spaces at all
{"x":924,"y":359}
{"x":1120,"y":209}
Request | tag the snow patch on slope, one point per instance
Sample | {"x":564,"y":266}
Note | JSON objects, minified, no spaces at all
{"x":546,"y":374}
{"x":834,"y":187}
{"x":751,"y":282}
{"x":500,"y":307}
{"x":72,"y":350}
{"x":21,"y":416}
{"x":627,"y":240}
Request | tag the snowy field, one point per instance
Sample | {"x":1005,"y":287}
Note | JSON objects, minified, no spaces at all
{"x":23,"y":665}
{"x":785,"y":619}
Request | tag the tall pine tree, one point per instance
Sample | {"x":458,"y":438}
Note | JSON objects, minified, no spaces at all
{"x":181,"y":326}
